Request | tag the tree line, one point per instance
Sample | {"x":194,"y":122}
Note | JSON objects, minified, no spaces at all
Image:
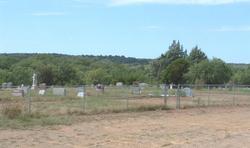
{"x":175,"y":66}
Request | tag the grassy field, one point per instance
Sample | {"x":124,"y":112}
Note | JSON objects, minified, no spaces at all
{"x":34,"y":109}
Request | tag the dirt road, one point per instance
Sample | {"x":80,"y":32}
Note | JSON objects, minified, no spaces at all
{"x":203,"y":128}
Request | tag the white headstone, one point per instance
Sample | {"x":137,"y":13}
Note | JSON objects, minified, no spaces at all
{"x":34,"y":81}
{"x":41,"y":92}
{"x":59,"y":91}
{"x":4,"y":85}
{"x":9,"y":85}
{"x":188,"y":92}
{"x":119,"y":84}
{"x":136,"y":90}
{"x":80,"y":94}
{"x":171,"y":86}
{"x":25,"y":89}
{"x":18,"y":93}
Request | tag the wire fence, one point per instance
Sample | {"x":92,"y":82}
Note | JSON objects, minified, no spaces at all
{"x":60,"y":100}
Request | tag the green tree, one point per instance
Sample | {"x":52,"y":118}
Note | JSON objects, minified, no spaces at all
{"x":47,"y":74}
{"x":197,"y":55}
{"x":97,"y":76}
{"x":214,"y":71}
{"x":4,"y":76}
{"x":66,"y":75}
{"x":21,"y":75}
{"x":242,"y":77}
{"x":175,"y":72}
{"x":174,"y":52}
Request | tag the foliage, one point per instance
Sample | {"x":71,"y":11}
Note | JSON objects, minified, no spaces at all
{"x":209,"y":72}
{"x":175,"y":72}
{"x":56,"y":69}
{"x":197,"y":55}
{"x":242,"y":76}
{"x":175,"y":52}
{"x":174,"y":66}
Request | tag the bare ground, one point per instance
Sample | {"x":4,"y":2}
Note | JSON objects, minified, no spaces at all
{"x":222,"y":127}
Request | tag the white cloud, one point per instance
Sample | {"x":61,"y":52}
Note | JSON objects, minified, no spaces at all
{"x":233,"y":29}
{"x":48,"y":14}
{"x":180,"y":2}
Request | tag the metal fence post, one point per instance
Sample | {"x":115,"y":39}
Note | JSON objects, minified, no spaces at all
{"x":127,"y":102}
{"x":84,"y":98}
{"x":125,"y":95}
{"x":208,"y":99}
{"x":29,"y":101}
{"x":165,"y":95}
{"x":234,"y":94}
{"x":178,"y":97}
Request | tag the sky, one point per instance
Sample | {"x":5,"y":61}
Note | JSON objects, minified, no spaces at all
{"x":133,"y":28}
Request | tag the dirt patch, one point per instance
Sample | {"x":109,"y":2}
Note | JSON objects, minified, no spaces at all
{"x":207,"y":127}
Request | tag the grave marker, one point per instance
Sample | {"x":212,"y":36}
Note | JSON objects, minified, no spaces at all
{"x":80,"y":92}
{"x":18,"y":93}
{"x":119,"y":84}
{"x":136,"y":90}
{"x":188,"y":92}
{"x":9,"y":85}
{"x":4,"y":85}
{"x":41,"y":92}
{"x":59,"y":91}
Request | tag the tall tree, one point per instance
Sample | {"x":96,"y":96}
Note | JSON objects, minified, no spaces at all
{"x":214,"y":71}
{"x":174,"y":52}
{"x":175,"y":72}
{"x":197,"y":55}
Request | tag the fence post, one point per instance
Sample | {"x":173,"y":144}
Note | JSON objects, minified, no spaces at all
{"x":29,"y":101}
{"x":234,"y":94}
{"x":127,"y":102}
{"x":84,"y":98}
{"x":178,"y":97}
{"x":208,"y":99}
{"x":126,"y":94}
{"x":165,"y":95}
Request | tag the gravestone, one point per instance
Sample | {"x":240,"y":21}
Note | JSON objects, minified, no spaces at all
{"x":188,"y":92}
{"x":100,"y":88}
{"x":4,"y":85}
{"x":42,"y":89}
{"x":18,"y":93}
{"x":59,"y":91}
{"x":162,"y":86}
{"x":171,"y":86}
{"x":9,"y":85}
{"x":42,"y":86}
{"x":136,"y":90}
{"x":143,"y":84}
{"x":80,"y":92}
{"x":41,"y":92}
{"x":25,"y":89}
{"x":34,"y":81}
{"x":119,"y":84}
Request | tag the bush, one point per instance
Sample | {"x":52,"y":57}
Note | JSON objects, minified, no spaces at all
{"x":12,"y":111}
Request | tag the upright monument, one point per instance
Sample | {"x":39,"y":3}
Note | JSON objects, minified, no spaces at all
{"x":34,"y":81}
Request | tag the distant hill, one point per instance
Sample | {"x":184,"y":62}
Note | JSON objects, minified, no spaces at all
{"x":115,"y":59}
{"x":239,"y":66}
{"x":120,"y":59}
{"x":61,"y":69}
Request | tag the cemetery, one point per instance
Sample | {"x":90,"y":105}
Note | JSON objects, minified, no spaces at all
{"x":120,"y":107}
{"x":91,"y":99}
